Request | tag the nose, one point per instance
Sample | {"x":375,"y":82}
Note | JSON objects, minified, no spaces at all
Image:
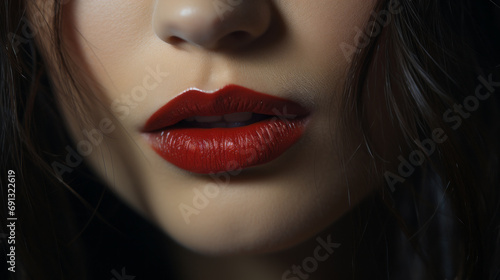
{"x":211,"y":24}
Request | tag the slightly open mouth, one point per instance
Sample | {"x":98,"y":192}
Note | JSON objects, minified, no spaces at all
{"x":232,"y":128}
{"x":222,"y":121}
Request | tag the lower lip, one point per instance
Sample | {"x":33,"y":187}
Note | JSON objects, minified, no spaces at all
{"x":216,"y":150}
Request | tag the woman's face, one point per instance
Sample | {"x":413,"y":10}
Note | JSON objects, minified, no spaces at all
{"x":140,"y":55}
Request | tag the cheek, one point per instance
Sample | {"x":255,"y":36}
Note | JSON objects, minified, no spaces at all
{"x":102,"y":35}
{"x":319,"y":31}
{"x":328,"y":23}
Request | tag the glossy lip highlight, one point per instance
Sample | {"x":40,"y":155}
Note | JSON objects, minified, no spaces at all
{"x":213,"y":150}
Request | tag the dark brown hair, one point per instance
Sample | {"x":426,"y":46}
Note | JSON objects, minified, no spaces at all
{"x":32,"y":134}
{"x":442,"y":221}
{"x":435,"y":55}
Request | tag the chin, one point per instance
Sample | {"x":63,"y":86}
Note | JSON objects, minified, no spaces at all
{"x":256,"y":219}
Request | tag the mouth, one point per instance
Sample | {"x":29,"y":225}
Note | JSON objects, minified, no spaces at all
{"x":230,"y":129}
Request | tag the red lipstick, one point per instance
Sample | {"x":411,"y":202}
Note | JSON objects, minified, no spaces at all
{"x":229,"y":129}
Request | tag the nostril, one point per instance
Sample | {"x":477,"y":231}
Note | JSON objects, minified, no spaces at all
{"x":174,"y":40}
{"x":236,"y":38}
{"x":239,"y":35}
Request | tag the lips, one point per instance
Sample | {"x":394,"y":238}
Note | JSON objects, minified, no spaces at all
{"x":229,"y":129}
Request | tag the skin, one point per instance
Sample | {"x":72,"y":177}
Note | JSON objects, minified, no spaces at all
{"x":288,"y":49}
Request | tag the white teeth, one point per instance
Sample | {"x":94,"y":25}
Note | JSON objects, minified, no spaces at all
{"x":208,"y":119}
{"x":234,"y":117}
{"x":238,"y":117}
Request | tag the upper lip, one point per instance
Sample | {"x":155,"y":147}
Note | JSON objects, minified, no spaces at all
{"x":227,"y":100}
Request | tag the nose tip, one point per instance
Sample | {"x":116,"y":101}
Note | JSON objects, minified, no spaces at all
{"x":211,"y":24}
